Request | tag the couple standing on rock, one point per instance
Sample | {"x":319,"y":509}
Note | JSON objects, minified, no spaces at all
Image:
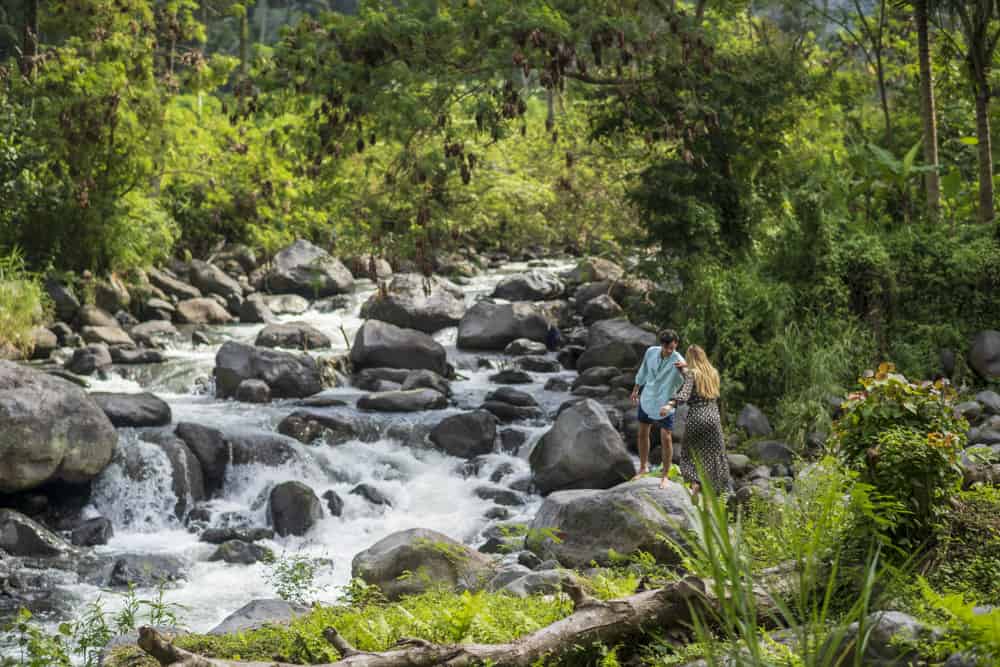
{"x":664,"y":381}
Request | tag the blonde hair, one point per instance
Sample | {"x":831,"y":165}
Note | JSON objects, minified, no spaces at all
{"x":706,"y":378}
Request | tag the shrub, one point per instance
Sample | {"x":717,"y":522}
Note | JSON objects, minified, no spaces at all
{"x":22,"y":305}
{"x":967,"y":557}
{"x":905,"y":440}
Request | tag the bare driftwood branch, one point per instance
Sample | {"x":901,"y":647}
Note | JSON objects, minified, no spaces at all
{"x":593,"y":621}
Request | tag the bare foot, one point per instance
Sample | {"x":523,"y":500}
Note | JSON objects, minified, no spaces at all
{"x":641,"y":473}
{"x":664,"y":481}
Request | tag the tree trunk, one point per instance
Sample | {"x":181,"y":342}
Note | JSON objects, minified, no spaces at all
{"x":932,"y":180}
{"x":262,"y":9}
{"x":985,"y":149}
{"x":244,"y":43}
{"x":592,"y":622}
{"x":29,"y":45}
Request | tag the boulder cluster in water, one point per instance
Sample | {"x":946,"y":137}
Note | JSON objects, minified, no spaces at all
{"x":56,"y":438}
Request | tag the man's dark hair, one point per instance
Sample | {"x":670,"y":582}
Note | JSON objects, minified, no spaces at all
{"x":668,"y":336}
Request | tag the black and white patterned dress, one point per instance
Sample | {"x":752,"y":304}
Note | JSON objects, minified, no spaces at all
{"x":703,"y":440}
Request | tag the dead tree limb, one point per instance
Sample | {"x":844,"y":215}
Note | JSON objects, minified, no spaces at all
{"x":592,"y":622}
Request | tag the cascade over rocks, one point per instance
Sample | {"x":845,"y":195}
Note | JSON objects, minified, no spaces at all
{"x":627,"y":518}
{"x":583,"y":450}
{"x":309,"y":271}
{"x":186,"y":475}
{"x":466,"y":435}
{"x":531,"y":286}
{"x":137,"y":410}
{"x":293,"y":508}
{"x":434,"y":559}
{"x":617,"y":343}
{"x":413,"y":301}
{"x":382,"y":344}
{"x":493,"y":326}
{"x":293,"y":335}
{"x":288,"y":375}
{"x":50,"y":430}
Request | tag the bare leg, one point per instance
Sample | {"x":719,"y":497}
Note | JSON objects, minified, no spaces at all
{"x":643,"y":446}
{"x":667,"y":448}
{"x":695,"y":489}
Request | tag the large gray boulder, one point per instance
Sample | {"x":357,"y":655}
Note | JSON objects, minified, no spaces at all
{"x":156,"y":333}
{"x":984,"y":354}
{"x":308,"y":271}
{"x":23,"y":536}
{"x":594,"y":269}
{"x":410,"y":400}
{"x":293,"y":509}
{"x":108,"y":335}
{"x":288,"y":375}
{"x":293,"y":335}
{"x":210,"y":279}
{"x":258,"y":613}
{"x":415,"y":302}
{"x":583,"y":450}
{"x":94,"y":358}
{"x":631,"y":517}
{"x":172,"y":286}
{"x":466,"y":435}
{"x":254,"y":310}
{"x":753,"y":420}
{"x":432,"y":558}
{"x":202,"y":311}
{"x":530,"y":286}
{"x":136,"y":410}
{"x":49,"y":430}
{"x":893,"y":639}
{"x":617,"y":343}
{"x":286,"y":304}
{"x":381,"y":344}
{"x":65,"y":301}
{"x":493,"y":326}
{"x":92,"y":316}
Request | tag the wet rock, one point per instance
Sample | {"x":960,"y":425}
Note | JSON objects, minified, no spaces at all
{"x":530,"y":286}
{"x":288,"y":304}
{"x":92,"y":316}
{"x":596,"y":376}
{"x":493,"y":326}
{"x":156,"y":333}
{"x":598,"y":391}
{"x":500,"y":495}
{"x":210,"y":279}
{"x":253,"y":391}
{"x":65,"y":301}
{"x":211,"y":449}
{"x":433,"y":557}
{"x":599,"y":308}
{"x":288,"y":375}
{"x":136,"y":410}
{"x":107,"y":335}
{"x":254,"y":310}
{"x":22,"y":536}
{"x":293,"y":509}
{"x":158,"y":309}
{"x":173,"y":286}
{"x":511,"y":376}
{"x":754,"y":422}
{"x":557,"y":385}
{"x":334,"y":427}
{"x":332,"y":303}
{"x":615,"y":343}
{"x":371,"y":494}
{"x":627,"y":518}
{"x":582,"y":450}
{"x":294,"y":335}
{"x":92,"y":532}
{"x":306,"y":270}
{"x":186,"y":474}
{"x":202,"y":311}
{"x":511,"y":440}
{"x":199,"y":338}
{"x":569,"y":356}
{"x":50,"y":430}
{"x":984,"y":354}
{"x":383,"y":344}
{"x":128,"y":357}
{"x":334,"y":503}
{"x":237,"y":552}
{"x":257,"y":614}
{"x":525,"y":347}
{"x":412,"y":301}
{"x":413,"y":400}
{"x":538,"y":364}
{"x":497,"y":513}
{"x":221,"y":535}
{"x":466,"y":435}
{"x":142,"y":570}
{"x":425,"y":379}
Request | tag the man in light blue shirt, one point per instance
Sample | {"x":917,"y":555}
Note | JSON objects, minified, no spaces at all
{"x":659,"y":377}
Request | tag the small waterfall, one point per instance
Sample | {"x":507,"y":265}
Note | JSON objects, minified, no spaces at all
{"x":136,"y":490}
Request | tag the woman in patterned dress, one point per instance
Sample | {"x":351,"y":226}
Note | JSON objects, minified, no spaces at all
{"x":703,"y":440}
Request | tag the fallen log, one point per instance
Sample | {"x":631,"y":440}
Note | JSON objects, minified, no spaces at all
{"x":592,"y":621}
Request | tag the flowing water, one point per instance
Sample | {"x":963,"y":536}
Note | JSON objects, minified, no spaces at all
{"x":426,"y":488}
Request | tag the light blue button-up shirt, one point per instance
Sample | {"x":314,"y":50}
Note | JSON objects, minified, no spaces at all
{"x":659,"y":379}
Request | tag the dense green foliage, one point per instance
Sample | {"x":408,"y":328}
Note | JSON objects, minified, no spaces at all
{"x":22,"y":305}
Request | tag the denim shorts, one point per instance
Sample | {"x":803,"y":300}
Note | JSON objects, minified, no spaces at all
{"x":664,"y":422}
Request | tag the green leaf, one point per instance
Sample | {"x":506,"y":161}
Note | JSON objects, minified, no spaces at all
{"x":969,"y":141}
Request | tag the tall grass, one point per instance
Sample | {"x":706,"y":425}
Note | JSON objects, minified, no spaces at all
{"x":23,"y":304}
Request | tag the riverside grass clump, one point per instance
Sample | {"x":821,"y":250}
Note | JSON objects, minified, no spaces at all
{"x":23,"y":305}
